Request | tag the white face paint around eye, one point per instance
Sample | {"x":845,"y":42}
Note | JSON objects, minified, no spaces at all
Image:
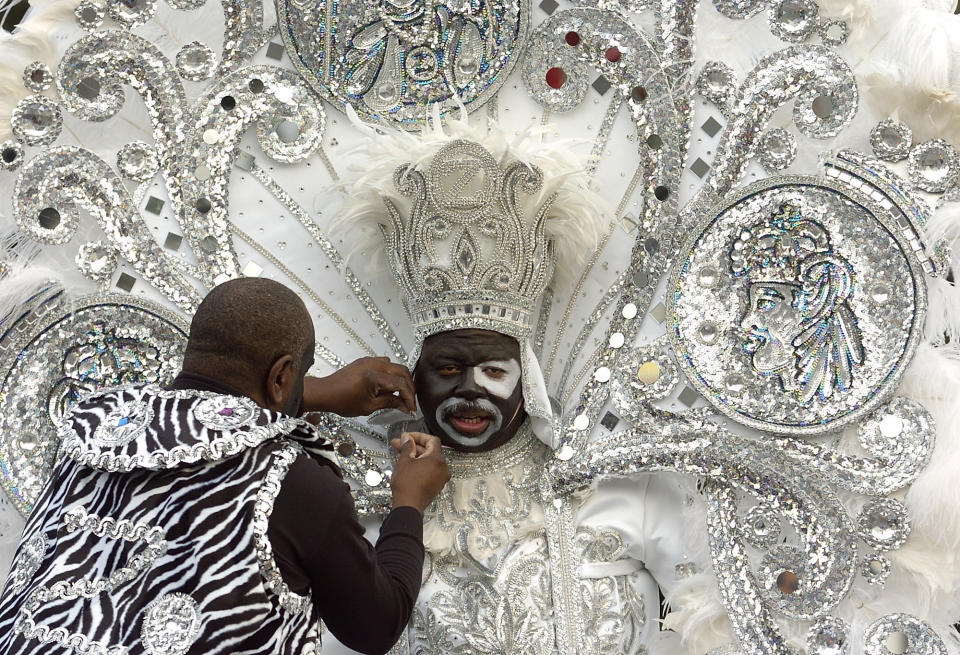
{"x":502,"y":386}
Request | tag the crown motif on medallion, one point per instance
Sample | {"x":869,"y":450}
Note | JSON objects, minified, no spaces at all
{"x":471,"y":251}
{"x":776,"y":248}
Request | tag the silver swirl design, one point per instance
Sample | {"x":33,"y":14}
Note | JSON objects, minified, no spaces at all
{"x":61,"y":179}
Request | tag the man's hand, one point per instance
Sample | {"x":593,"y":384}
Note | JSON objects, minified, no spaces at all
{"x":420,"y":472}
{"x":360,"y":388}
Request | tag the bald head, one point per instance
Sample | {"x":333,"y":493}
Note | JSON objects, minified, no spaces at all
{"x":243,"y":328}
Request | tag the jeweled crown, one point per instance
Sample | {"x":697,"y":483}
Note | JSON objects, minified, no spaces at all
{"x":471,"y":251}
{"x":776,"y":248}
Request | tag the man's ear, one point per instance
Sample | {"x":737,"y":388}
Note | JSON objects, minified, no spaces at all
{"x":280,"y":380}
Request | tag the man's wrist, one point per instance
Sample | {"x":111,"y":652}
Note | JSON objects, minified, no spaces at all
{"x":315,"y":396}
{"x":406,"y":502}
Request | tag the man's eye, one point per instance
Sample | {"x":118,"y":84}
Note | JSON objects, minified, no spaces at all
{"x":766,"y":305}
{"x":495,"y":373}
{"x":449,"y":369}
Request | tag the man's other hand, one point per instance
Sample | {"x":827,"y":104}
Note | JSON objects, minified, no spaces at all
{"x":360,"y":388}
{"x":420,"y":472}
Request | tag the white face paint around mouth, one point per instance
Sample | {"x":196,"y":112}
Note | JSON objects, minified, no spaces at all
{"x":443,"y":411}
{"x":503,"y":386}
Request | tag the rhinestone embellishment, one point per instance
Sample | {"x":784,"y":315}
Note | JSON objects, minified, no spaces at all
{"x":27,"y":564}
{"x":124,"y":424}
{"x":171,"y":625}
{"x":226,"y":412}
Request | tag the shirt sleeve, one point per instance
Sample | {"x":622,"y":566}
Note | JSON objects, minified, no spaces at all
{"x":647,"y":510}
{"x":364,"y":594}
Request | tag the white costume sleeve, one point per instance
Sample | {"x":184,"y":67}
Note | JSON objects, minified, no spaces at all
{"x":647,"y":511}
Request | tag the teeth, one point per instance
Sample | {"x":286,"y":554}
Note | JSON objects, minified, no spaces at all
{"x":470,"y":419}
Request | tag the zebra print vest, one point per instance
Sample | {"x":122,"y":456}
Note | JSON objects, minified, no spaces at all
{"x":151,"y":537}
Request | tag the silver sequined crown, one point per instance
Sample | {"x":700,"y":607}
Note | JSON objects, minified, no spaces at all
{"x":471,"y":252}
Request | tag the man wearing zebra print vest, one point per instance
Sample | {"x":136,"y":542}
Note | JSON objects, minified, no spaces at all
{"x":206,"y":518}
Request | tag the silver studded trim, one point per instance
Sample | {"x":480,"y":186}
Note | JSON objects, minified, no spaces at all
{"x":263,"y":508}
{"x":75,"y":519}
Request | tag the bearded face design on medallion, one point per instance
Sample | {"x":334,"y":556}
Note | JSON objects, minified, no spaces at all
{"x":797,"y":323}
{"x":469,"y":390}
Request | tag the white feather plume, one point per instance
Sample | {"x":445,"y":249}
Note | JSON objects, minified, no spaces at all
{"x":916,"y":73}
{"x":573,"y":222}
{"x":33,"y":40}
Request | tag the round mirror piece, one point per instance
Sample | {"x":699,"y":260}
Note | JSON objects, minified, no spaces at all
{"x":828,"y":636}
{"x":891,"y":140}
{"x":834,"y":32}
{"x":36,"y":121}
{"x":131,"y":12}
{"x":11,"y":155}
{"x":934,"y":166}
{"x":739,"y":9}
{"x":884,"y":524}
{"x":764,"y":368}
{"x":875,"y":568}
{"x":89,"y":14}
{"x":37,"y":77}
{"x":716,"y":83}
{"x":777,"y":149}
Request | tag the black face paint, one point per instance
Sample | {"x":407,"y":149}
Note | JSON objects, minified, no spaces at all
{"x":469,"y":389}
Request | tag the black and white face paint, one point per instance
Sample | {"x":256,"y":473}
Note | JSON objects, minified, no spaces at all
{"x":455,"y":414}
{"x":469,"y":388}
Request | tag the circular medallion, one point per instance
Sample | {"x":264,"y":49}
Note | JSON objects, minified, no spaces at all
{"x":65,"y":351}
{"x":226,"y":412}
{"x":170,"y":625}
{"x":798,"y":345}
{"x":398,"y":60}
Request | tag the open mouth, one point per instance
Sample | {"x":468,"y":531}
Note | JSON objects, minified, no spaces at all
{"x":469,"y":422}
